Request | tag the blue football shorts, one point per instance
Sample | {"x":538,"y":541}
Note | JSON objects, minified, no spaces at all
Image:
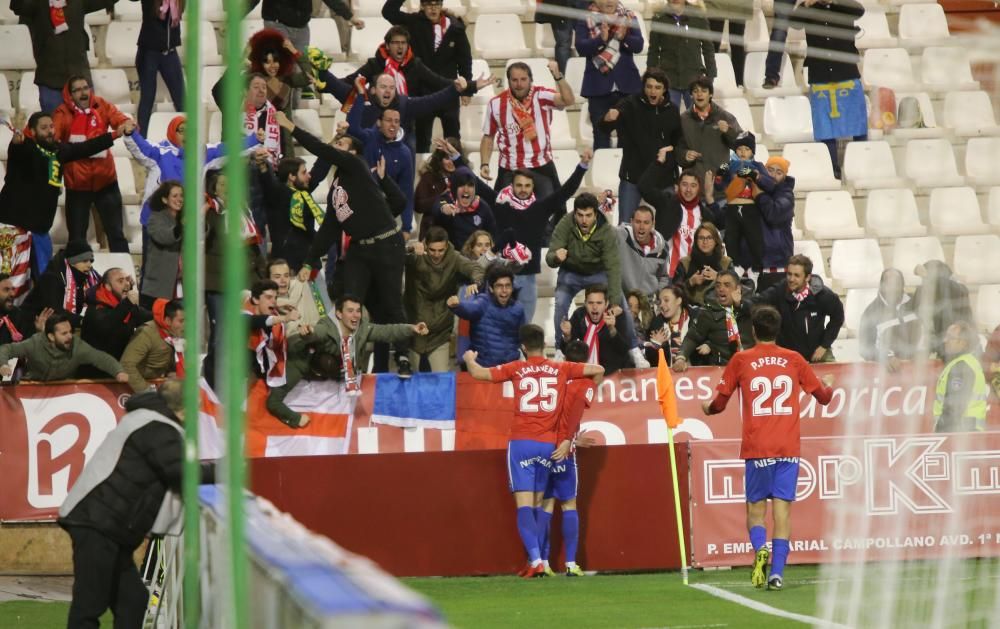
{"x":772,"y":478}
{"x":563,"y":480}
{"x":528,"y":464}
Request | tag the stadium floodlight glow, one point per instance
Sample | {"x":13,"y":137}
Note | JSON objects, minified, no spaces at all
{"x":192,"y":280}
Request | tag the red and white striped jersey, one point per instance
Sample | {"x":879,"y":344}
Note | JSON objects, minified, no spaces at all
{"x":515,"y":148}
{"x":683,"y":239}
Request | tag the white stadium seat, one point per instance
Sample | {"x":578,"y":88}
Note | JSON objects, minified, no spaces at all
{"x":566,"y":162}
{"x":854,"y":306}
{"x":124,"y":12}
{"x":481,"y":67}
{"x":756,"y":37}
{"x":988,"y":308}
{"x":7,"y":15}
{"x":470,"y":118}
{"x":158,"y":124}
{"x":888,"y":67}
{"x":209,"y":44}
{"x":6,"y":135}
{"x":560,"y":132}
{"x":810,"y":249}
{"x":874,"y":31}
{"x":993,"y":208}
{"x":947,"y":69}
{"x":955,"y":211}
{"x":811,"y":166}
{"x":367,"y":8}
{"x":870,"y":165}
{"x":126,"y":180}
{"x":856,"y":263}
{"x":6,"y":106}
{"x":575,"y":67}
{"x":112,"y":85}
{"x":788,"y":119}
{"x":931,"y":164}
{"x":323,"y":188}
{"x":725,"y":78}
{"x":512,"y":7}
{"x":545,"y":314}
{"x":210,"y":75}
{"x":753,"y":76}
{"x":499,"y":37}
{"x":365,"y":42}
{"x":831,"y":214}
{"x":604,"y":169}
{"x":119,"y":43}
{"x":970,"y":114}
{"x":323,"y":34}
{"x":27,"y":94}
{"x":910,"y":252}
{"x":18,"y":53}
{"x":309,"y":120}
{"x":544,"y":43}
{"x":922,"y":25}
{"x":977,"y":258}
{"x":892,"y":213}
{"x":847,"y":350}
{"x":104,"y":261}
{"x":584,"y":130}
{"x":740,"y":109}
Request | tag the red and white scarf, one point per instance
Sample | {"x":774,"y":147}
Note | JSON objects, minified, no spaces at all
{"x":69,"y":295}
{"x":732,"y":329}
{"x":15,"y":259}
{"x":592,"y":338}
{"x":395,"y":68}
{"x":272,"y":132}
{"x":351,"y":383}
{"x":801,"y":295}
{"x":606,"y":60}
{"x":84,"y":120}
{"x":270,"y":347}
{"x":15,"y":334}
{"x":159,"y":316}
{"x":440,"y":28}
{"x":57,"y":16}
{"x":248,"y":227}
{"x":507,"y":196}
{"x":523,"y":113}
{"x":680,"y":243}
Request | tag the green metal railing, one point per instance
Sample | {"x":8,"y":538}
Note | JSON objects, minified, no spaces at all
{"x":230,"y":359}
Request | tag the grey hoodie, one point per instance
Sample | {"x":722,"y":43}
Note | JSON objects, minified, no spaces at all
{"x":645,"y":271}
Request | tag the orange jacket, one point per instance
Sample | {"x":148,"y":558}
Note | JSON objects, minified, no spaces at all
{"x":92,"y":173}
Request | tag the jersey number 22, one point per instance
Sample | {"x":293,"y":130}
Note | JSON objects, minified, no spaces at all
{"x":763,"y":404}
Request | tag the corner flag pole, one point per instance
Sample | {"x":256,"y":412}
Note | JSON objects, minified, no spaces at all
{"x":668,"y":406}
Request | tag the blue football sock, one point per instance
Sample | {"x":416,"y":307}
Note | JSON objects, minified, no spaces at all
{"x":758,"y":537}
{"x":528,"y":529}
{"x":571,"y":533}
{"x":780,"y":556}
{"x":544,"y":521}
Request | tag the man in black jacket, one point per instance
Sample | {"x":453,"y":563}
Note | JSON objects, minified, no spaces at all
{"x":595,"y":324}
{"x":112,"y":317}
{"x":645,"y":123}
{"x":17,"y":324}
{"x":723,"y":327}
{"x":373,"y":268}
{"x":440,"y":41}
{"x":116,"y":502}
{"x":811,"y":313}
{"x":34,"y":180}
{"x":292,"y":212}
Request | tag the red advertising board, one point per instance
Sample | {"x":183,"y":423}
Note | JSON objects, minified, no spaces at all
{"x":873,"y":497}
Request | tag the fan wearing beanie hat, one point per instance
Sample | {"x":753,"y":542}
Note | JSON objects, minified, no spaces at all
{"x":738,"y":178}
{"x":774,"y":194}
{"x":64,"y":285}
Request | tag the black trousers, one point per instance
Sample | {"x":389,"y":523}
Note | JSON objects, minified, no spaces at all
{"x":737,"y":51}
{"x":108,"y":201}
{"x":743,"y":224}
{"x":374,"y":274}
{"x":449,"y":126}
{"x":104,"y":577}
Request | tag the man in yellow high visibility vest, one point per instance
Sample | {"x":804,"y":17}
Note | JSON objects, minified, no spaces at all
{"x":960,"y":401}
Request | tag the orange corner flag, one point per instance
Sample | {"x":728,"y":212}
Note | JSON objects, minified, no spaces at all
{"x":665,"y":393}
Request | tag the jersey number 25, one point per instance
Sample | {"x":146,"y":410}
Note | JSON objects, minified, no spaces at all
{"x":763,"y":404}
{"x":539,"y":394}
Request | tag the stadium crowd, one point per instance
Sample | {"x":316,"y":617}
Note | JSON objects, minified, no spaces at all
{"x":442,"y":254}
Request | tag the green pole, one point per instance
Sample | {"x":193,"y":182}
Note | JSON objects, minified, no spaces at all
{"x":234,"y":327}
{"x":193,"y":304}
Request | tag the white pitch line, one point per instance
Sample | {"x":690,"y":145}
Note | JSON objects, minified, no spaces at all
{"x":763,"y":608}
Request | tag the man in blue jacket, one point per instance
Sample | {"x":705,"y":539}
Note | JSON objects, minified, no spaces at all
{"x":496,"y":318}
{"x":385,"y":140}
{"x":775,"y":197}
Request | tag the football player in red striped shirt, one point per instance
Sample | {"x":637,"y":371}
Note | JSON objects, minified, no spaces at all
{"x":770,"y":380}
{"x":539,"y":393}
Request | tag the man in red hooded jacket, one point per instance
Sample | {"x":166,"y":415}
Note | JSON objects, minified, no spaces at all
{"x":91,"y":181}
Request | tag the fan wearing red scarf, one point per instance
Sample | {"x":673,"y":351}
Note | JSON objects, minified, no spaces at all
{"x":64,"y":285}
{"x":113,"y":316}
{"x":597,"y":325}
{"x":157,"y":350}
{"x":268,"y":338}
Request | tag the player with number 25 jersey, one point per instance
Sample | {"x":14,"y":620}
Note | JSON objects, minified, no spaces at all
{"x":770,"y":380}
{"x":539,"y":392}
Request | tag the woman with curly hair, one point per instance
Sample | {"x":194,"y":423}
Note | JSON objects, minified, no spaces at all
{"x":274,"y":56}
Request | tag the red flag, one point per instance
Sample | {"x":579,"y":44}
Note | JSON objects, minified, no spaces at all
{"x":665,"y":393}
